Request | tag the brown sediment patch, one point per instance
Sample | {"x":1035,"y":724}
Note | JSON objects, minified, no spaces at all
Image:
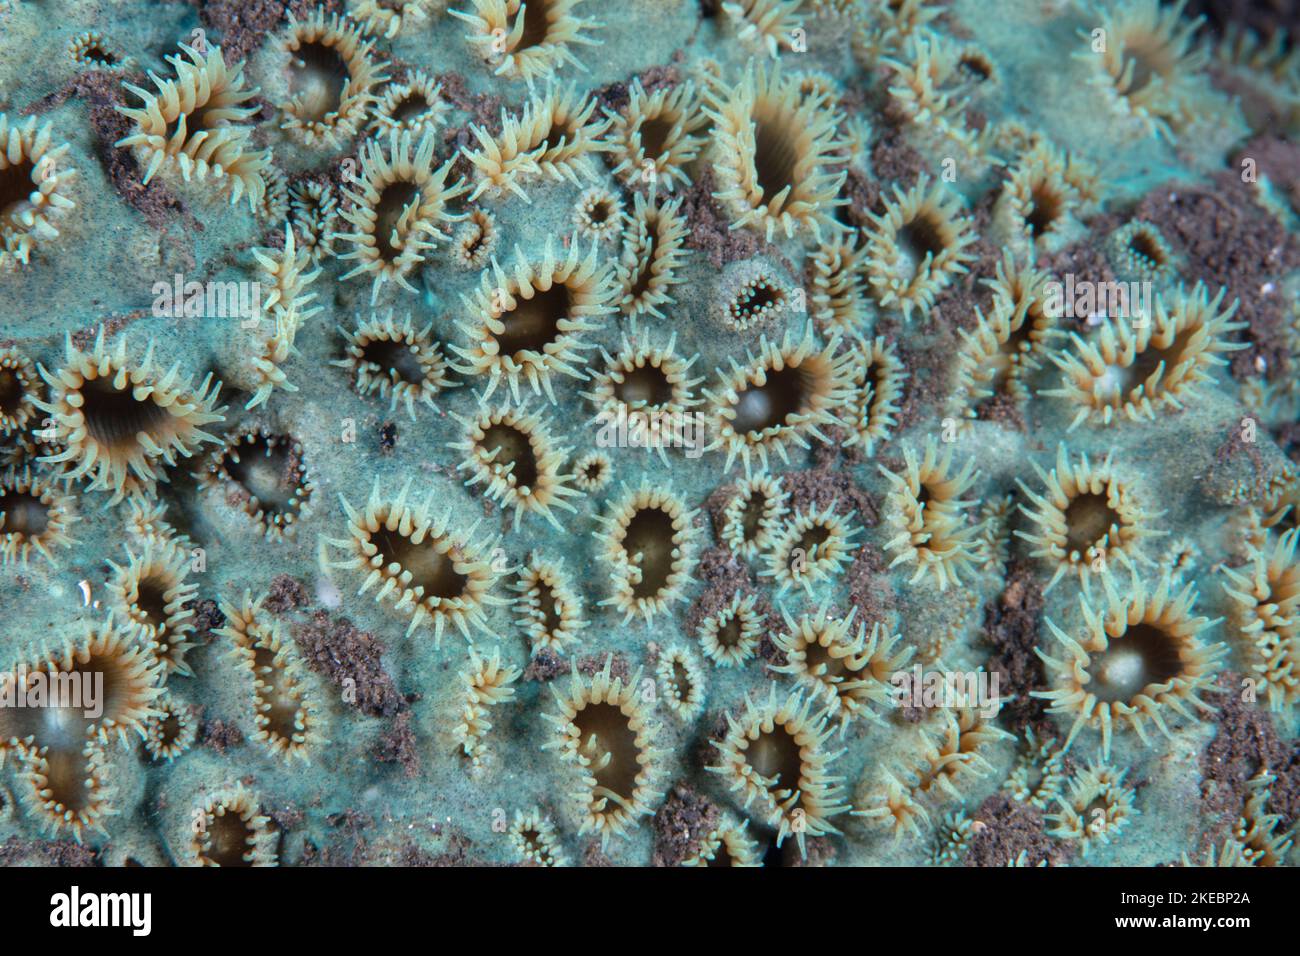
{"x":221,"y":736}
{"x":818,"y":488}
{"x":207,"y":618}
{"x":1246,"y":743}
{"x":593,"y":664}
{"x":397,"y":745}
{"x":546,"y":665}
{"x":1005,"y":828}
{"x":870,"y":589}
{"x":1011,"y":624}
{"x":1279,"y":160}
{"x":862,"y":195}
{"x":894,"y":160}
{"x":954,"y":307}
{"x":681,"y":823}
{"x":709,"y":227}
{"x":1227,"y":239}
{"x":287,"y":594}
{"x":59,"y":853}
{"x":241,"y":25}
{"x":337,"y":649}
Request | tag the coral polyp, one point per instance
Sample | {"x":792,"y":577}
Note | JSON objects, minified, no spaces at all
{"x":511,"y":453}
{"x":1088,"y":515}
{"x":395,"y":360}
{"x":35,"y":517}
{"x":331,"y":77}
{"x":35,"y":187}
{"x":527,"y":42}
{"x":398,"y":209}
{"x":783,"y":396}
{"x":917,"y":246}
{"x":605,"y":736}
{"x":927,"y":509}
{"x":530,"y":324}
{"x":774,"y":155}
{"x":649,"y":539}
{"x":197,"y":123}
{"x":1134,"y":367}
{"x":118,"y":421}
{"x":230,"y":830}
{"x":776,"y":760}
{"x":1140,"y":658}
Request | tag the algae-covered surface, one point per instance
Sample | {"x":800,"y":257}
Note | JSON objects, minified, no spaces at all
{"x":383,"y":572}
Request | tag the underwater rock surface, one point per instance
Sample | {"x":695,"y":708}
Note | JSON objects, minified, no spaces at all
{"x":671,"y":432}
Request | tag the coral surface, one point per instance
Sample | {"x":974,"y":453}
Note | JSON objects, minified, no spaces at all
{"x":673,"y":432}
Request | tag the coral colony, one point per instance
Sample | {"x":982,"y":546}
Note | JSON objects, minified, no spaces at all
{"x":674,"y":432}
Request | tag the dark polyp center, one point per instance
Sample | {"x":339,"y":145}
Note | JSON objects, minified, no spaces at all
{"x":785,"y":393}
{"x":751,"y":514}
{"x":17,"y":182}
{"x":11,"y":391}
{"x":117,"y":694}
{"x":1148,"y":360}
{"x":170,"y":729}
{"x":281,"y":709}
{"x":812,"y":540}
{"x":396,"y":360}
{"x":410,"y":107}
{"x":534,"y":323}
{"x":603,"y":730}
{"x":67,"y":775}
{"x":976,"y":67}
{"x":268,"y":470}
{"x":649,"y":543}
{"x":317,"y":78}
{"x":757,"y":298}
{"x":1044,"y":210}
{"x":537,"y":24}
{"x":151,"y":600}
{"x":229,"y":838}
{"x":428,"y":566}
{"x":1142,"y":655}
{"x":921,"y":237}
{"x":654,"y":136}
{"x":1148,"y":62}
{"x":114,"y":418}
{"x":1087,"y":519}
{"x":775,"y":156}
{"x":512,"y":447}
{"x":23,"y":513}
{"x":647,"y":384}
{"x":818,"y":660}
{"x":549,"y":608}
{"x":730,"y":633}
{"x":393,"y":201}
{"x":1144,"y":244}
{"x":775,"y":754}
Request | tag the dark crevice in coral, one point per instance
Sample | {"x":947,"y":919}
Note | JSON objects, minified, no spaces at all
{"x":1011,"y":625}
